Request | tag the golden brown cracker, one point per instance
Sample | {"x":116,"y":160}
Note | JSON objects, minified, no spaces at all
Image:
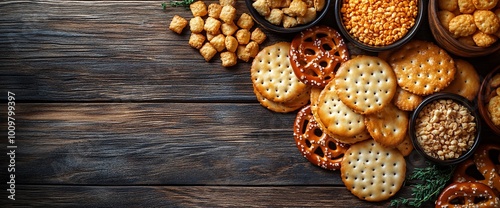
{"x":365,"y":83}
{"x":422,"y":67}
{"x":373,"y":172}
{"x":405,"y":100}
{"x":273,"y":76}
{"x":336,"y":116}
{"x":389,"y":126}
{"x":405,"y":147}
{"x":466,"y":82}
{"x":284,"y":107}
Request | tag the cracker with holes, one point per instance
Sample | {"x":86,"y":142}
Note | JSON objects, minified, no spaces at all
{"x":365,"y":83}
{"x":388,"y":127}
{"x":373,"y":172}
{"x":336,"y":116}
{"x":466,"y":82}
{"x":273,"y":76}
{"x":405,"y":100}
{"x":422,"y":67}
{"x":284,"y":107}
{"x":406,"y":146}
{"x":364,"y":135}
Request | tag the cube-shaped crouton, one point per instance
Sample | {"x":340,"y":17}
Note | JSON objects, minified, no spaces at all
{"x":308,"y":17}
{"x":212,"y":25}
{"x":231,"y":43}
{"x":245,"y":21}
{"x":214,"y":10}
{"x":242,"y":54}
{"x":196,"y":40}
{"x":258,"y":36}
{"x":208,"y":51}
{"x":297,"y":8}
{"x":177,"y":24}
{"x":228,"y":59}
{"x":198,"y":8}
{"x":243,"y":36}
{"x":289,"y":22}
{"x":227,"y":14}
{"x":228,"y":28}
{"x":262,"y":7}
{"x":219,"y":42}
{"x":275,"y":16}
{"x":196,"y":24}
{"x":252,"y":48}
{"x":227,"y":2}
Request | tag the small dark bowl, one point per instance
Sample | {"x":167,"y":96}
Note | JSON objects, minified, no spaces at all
{"x":445,"y":96}
{"x":279,"y":28}
{"x":482,"y":99}
{"x":444,"y":38}
{"x":409,"y":35}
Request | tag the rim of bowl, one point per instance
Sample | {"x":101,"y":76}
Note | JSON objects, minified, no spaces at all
{"x":280,"y":29}
{"x":457,"y":98}
{"x":409,"y":35}
{"x":481,"y":100}
{"x":432,"y":13}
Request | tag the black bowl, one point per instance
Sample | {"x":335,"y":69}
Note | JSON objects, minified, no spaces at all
{"x":409,"y":35}
{"x":279,"y":28}
{"x":458,"y":99}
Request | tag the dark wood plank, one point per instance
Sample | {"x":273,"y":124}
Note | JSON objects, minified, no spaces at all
{"x":189,"y":196}
{"x":158,"y":143}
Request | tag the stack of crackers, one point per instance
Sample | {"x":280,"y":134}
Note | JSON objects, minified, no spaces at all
{"x":365,"y":107}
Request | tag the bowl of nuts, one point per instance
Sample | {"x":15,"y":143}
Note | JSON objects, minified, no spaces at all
{"x":378,"y":25}
{"x":489,"y":100}
{"x":287,"y":16}
{"x":463,"y":29}
{"x":445,"y":128}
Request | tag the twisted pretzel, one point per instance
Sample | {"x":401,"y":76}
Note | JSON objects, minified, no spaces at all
{"x":465,"y":172}
{"x":487,"y":164}
{"x":467,"y":194}
{"x":314,"y":144}
{"x":316,"y":53}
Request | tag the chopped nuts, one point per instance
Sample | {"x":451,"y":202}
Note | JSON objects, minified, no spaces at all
{"x":445,"y":129}
{"x":379,"y":23}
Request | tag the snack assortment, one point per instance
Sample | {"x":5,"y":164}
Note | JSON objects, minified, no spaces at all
{"x":217,"y":29}
{"x":353,"y":111}
{"x":471,"y":22}
{"x":288,"y":13}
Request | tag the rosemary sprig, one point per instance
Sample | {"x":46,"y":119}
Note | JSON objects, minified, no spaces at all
{"x":177,"y":3}
{"x":427,"y":184}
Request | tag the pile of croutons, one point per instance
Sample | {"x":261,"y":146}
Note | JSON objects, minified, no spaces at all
{"x":289,"y":13}
{"x":214,"y":30}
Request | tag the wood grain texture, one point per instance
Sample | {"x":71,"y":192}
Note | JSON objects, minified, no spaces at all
{"x":189,"y":196}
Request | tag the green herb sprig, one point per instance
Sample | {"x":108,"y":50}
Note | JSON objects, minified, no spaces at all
{"x":426,"y":184}
{"x":177,"y":3}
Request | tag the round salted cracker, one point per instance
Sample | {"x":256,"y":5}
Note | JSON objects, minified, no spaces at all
{"x":406,"y":147}
{"x":273,"y":76}
{"x":284,"y":107}
{"x":422,"y":67}
{"x":388,"y":127}
{"x":373,"y":172}
{"x":405,"y":100}
{"x":365,"y":83}
{"x":466,"y":82}
{"x":337,"y":117}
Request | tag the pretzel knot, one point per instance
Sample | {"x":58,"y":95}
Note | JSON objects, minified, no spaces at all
{"x":487,"y":159}
{"x":467,"y":194}
{"x":316,"y":53}
{"x":314,"y":144}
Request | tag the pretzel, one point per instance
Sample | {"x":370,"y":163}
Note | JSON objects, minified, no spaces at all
{"x":467,"y":194}
{"x":485,"y":164}
{"x":316,"y":53}
{"x":465,"y":172}
{"x":314,"y":144}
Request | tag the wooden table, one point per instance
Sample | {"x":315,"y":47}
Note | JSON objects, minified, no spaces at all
{"x":112,"y":109}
